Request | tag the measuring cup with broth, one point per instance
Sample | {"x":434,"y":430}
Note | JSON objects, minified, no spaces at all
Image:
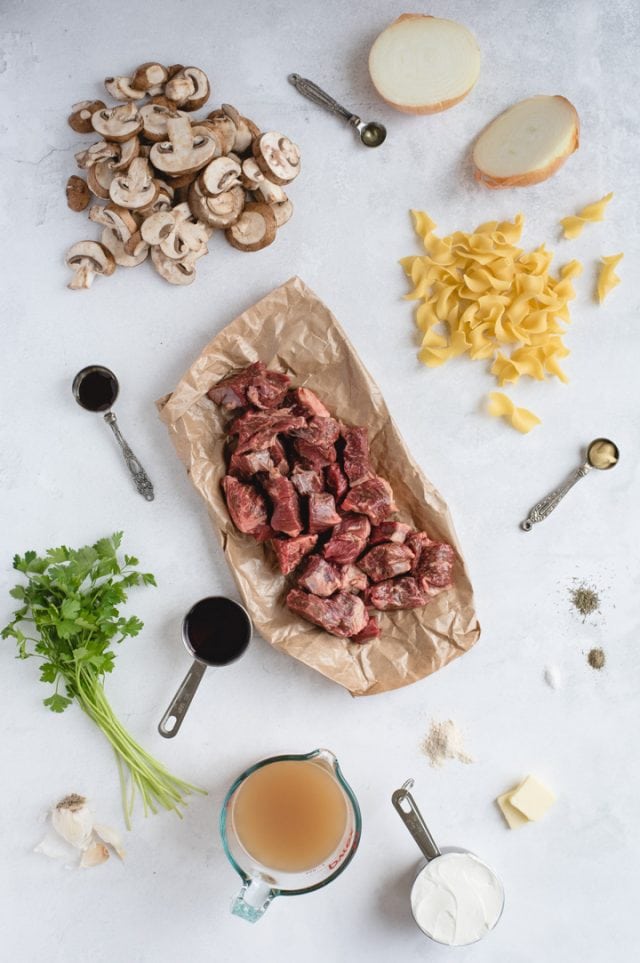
{"x":289,"y":825}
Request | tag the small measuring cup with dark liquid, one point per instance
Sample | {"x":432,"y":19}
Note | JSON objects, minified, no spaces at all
{"x":95,"y":388}
{"x":216,"y":632}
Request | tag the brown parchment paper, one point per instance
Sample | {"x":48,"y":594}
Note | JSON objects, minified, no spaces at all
{"x":291,"y":330}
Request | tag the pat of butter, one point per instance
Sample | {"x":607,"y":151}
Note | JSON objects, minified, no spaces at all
{"x":513,"y":816}
{"x":532,"y":798}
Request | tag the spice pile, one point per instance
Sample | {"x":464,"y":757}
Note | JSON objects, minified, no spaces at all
{"x":445,"y":741}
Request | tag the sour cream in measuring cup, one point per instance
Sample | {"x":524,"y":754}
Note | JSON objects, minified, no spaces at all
{"x":456,"y":899}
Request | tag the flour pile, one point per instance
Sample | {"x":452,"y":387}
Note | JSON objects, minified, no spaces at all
{"x":445,"y":741}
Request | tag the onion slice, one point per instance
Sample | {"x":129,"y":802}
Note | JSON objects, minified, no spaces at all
{"x":422,"y":64}
{"x":527,"y":143}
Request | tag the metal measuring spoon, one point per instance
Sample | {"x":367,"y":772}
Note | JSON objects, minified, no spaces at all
{"x":96,"y":388}
{"x":216,"y":632}
{"x":372,"y":134}
{"x":601,"y":454}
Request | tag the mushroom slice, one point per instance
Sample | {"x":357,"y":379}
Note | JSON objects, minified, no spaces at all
{"x":175,"y":272}
{"x":149,"y":75}
{"x":183,"y":152}
{"x":100,"y":177}
{"x":189,"y":88}
{"x":101,"y":150}
{"x":223,"y":127}
{"x":219,"y":211}
{"x":136,"y":245}
{"x":118,"y":251}
{"x":80,"y":117}
{"x":119,"y":219}
{"x":134,"y":188}
{"x":252,"y":176}
{"x":254,"y":229}
{"x":163,"y":200}
{"x":271,"y":193}
{"x":245,"y":130}
{"x":188,"y":235}
{"x":86,"y":259}
{"x":157,"y":227}
{"x":154,"y":121}
{"x":182,"y":180}
{"x":117,"y":123}
{"x":122,"y":88}
{"x":277,"y":156}
{"x":78,"y":194}
{"x":219,"y":176}
{"x":129,"y":150}
{"x":282,"y":210}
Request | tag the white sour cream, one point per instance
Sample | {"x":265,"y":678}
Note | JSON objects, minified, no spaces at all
{"x":456,"y":899}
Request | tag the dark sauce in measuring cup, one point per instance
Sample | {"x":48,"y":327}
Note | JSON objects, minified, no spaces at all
{"x":96,"y":388}
{"x":217,"y":630}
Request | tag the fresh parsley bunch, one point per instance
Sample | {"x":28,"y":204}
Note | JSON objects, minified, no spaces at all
{"x":69,"y":619}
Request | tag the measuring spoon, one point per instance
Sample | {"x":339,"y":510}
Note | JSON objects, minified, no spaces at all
{"x":601,"y":454}
{"x":96,"y":388}
{"x":372,"y":134}
{"x":215,"y":631}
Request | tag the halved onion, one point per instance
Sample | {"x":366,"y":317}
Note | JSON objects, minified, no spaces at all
{"x":422,"y":64}
{"x":527,"y":143}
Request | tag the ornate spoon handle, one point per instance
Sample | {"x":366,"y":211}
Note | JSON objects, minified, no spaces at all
{"x":318,"y":96}
{"x":551,"y":501}
{"x":140,"y":477}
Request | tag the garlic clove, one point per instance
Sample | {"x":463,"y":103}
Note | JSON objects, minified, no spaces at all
{"x":111,"y":837}
{"x":94,"y":855}
{"x":73,"y":820}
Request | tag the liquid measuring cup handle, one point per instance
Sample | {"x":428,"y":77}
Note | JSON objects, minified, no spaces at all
{"x":181,"y":701}
{"x":406,"y":807}
{"x":253,"y":900}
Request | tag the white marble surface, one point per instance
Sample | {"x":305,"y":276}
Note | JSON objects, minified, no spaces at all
{"x":572,"y":881}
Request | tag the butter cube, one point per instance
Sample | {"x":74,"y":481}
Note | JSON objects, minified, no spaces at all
{"x":513,"y":816}
{"x":532,"y":798}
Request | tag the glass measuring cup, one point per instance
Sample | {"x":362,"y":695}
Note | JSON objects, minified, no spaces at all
{"x":216,"y":632}
{"x":260,"y":883}
{"x":443,"y":860}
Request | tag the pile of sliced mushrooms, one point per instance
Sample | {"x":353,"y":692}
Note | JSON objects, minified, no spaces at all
{"x":169,"y":180}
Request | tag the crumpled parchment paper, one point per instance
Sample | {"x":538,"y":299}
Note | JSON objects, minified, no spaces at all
{"x":291,"y":330}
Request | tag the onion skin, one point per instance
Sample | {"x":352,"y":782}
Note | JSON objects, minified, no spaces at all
{"x":528,"y":178}
{"x":436,"y":108}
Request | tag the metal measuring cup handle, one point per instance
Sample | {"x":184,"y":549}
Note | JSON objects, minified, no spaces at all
{"x":320,"y":97}
{"x":182,"y":700}
{"x":406,"y":807}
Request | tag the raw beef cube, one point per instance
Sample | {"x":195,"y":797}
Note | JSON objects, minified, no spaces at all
{"x":252,"y":385}
{"x":322,"y":512}
{"x":286,"y":506}
{"x":336,"y":481}
{"x":397,"y":593}
{"x":319,"y":577}
{"x":250,"y":463}
{"x":279,"y":458}
{"x":306,"y":480}
{"x":348,"y":539}
{"x":372,"y":497}
{"x":322,"y":432}
{"x":386,"y":561}
{"x":416,"y":542}
{"x":390,"y":532}
{"x":316,"y":456}
{"x":353,"y":579}
{"x":263,"y":533}
{"x":435,"y":564}
{"x":291,"y":551}
{"x":370,"y":631}
{"x":306,"y":402}
{"x":257,"y":430}
{"x":246,"y":505}
{"x":343,"y":614}
{"x":356,"y":454}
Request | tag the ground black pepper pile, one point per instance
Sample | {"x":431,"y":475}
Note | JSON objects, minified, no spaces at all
{"x":585,"y":599}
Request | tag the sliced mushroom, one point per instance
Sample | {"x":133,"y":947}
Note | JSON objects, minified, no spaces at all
{"x":162,"y":101}
{"x":78,"y":194}
{"x":154,"y":121}
{"x":175,"y":272}
{"x":117,"y":249}
{"x":136,"y":245}
{"x":183,"y":152}
{"x":162,"y":202}
{"x":254,"y":229}
{"x":101,"y":150}
{"x":174,"y":69}
{"x":119,"y":219}
{"x":219,"y":176}
{"x":86,"y":259}
{"x":219,"y":211}
{"x":129,"y":150}
{"x":252,"y":176}
{"x":182,"y":180}
{"x":157,"y":227}
{"x":117,"y":123}
{"x":134,"y":188}
{"x":80,"y":117}
{"x":223,"y":127}
{"x":245,"y":131}
{"x":189,"y":88}
{"x":271,"y":193}
{"x":122,"y":88}
{"x":150,"y":74}
{"x":282,"y":210}
{"x":277,"y":156}
{"x":100,"y":177}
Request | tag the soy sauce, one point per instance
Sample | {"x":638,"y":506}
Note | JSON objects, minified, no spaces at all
{"x":95,"y":388}
{"x":217,"y":630}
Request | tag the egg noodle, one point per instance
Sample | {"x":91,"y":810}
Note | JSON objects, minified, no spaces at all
{"x":573,"y":225}
{"x":607,"y":278}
